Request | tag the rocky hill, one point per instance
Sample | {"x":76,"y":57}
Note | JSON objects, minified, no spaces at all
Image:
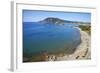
{"x":52,"y":20}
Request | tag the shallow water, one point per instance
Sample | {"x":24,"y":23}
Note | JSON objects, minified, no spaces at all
{"x":50,"y":38}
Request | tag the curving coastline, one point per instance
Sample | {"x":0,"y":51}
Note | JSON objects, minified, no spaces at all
{"x":82,"y":52}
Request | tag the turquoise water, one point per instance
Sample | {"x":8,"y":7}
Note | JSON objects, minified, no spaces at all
{"x":49,"y":38}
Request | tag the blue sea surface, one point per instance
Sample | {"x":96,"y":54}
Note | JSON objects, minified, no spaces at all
{"x":49,"y":37}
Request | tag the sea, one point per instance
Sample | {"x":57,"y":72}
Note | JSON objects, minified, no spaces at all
{"x":49,"y":38}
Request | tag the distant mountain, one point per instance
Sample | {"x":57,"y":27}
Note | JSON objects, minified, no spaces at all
{"x":52,"y":20}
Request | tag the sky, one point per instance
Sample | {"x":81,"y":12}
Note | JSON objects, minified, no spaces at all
{"x":36,"y":15}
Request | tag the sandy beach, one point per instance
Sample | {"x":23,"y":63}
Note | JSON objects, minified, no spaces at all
{"x":83,"y":51}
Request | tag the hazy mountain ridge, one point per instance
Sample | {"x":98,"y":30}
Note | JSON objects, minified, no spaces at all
{"x":52,"y":20}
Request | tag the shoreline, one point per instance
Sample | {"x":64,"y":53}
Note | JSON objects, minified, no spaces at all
{"x":82,"y":52}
